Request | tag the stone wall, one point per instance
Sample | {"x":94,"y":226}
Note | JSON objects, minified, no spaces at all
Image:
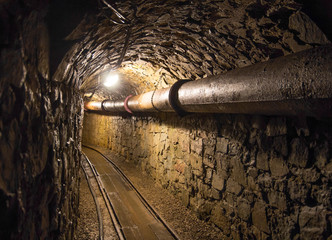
{"x":181,"y":39}
{"x":254,"y":177}
{"x":40,"y":130}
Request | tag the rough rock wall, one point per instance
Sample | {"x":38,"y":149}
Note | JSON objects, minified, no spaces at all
{"x":40,"y":134}
{"x":186,"y":39}
{"x":254,"y":177}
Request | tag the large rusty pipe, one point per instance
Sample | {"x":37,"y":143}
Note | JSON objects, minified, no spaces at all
{"x":297,"y":84}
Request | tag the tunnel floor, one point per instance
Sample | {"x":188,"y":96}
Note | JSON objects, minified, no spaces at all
{"x":87,"y":226}
{"x":179,"y":218}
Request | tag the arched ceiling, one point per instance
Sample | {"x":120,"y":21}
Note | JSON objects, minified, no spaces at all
{"x":160,"y":42}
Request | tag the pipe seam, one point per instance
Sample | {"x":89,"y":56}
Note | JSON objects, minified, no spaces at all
{"x":126,"y":104}
{"x":154,"y":106}
{"x":173,"y":97}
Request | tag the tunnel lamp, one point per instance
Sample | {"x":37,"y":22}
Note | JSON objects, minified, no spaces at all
{"x":111,"y":80}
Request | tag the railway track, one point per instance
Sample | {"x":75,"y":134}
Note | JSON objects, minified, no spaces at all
{"x":122,"y":211}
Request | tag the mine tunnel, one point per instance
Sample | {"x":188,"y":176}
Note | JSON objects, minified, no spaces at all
{"x":170,"y":119}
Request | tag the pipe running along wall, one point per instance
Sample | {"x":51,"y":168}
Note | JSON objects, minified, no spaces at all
{"x":297,"y":84}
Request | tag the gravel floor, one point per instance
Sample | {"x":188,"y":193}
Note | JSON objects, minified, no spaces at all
{"x":181,"y":219}
{"x":87,"y":226}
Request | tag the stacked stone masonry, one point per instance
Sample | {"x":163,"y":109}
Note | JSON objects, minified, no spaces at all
{"x":186,"y":40}
{"x":251,"y":176}
{"x":254,"y":177}
{"x":40,"y":132}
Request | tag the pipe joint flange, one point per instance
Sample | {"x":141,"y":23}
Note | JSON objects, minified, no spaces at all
{"x":173,"y":97}
{"x":102,"y":105}
{"x":154,"y":106}
{"x":126,"y":104}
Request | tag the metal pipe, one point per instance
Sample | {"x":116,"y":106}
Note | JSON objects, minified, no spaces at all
{"x":93,"y":106}
{"x":297,"y":84}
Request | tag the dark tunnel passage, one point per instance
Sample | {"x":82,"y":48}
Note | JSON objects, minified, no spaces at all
{"x":258,"y":169}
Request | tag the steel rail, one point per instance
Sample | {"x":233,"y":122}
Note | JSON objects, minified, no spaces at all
{"x":107,"y":201}
{"x":148,"y":206}
{"x":100,"y":219}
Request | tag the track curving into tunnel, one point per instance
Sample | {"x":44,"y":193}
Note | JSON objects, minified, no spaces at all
{"x":119,"y":203}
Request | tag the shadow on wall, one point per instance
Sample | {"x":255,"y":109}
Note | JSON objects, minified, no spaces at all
{"x":320,"y":12}
{"x":252,"y":176}
{"x":40,"y":123}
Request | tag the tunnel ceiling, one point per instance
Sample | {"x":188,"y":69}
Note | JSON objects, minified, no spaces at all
{"x":152,"y":44}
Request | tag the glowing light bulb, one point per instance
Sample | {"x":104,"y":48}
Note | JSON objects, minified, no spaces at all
{"x":111,"y":80}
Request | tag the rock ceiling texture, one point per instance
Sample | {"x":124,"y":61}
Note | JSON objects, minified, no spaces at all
{"x":152,"y":44}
